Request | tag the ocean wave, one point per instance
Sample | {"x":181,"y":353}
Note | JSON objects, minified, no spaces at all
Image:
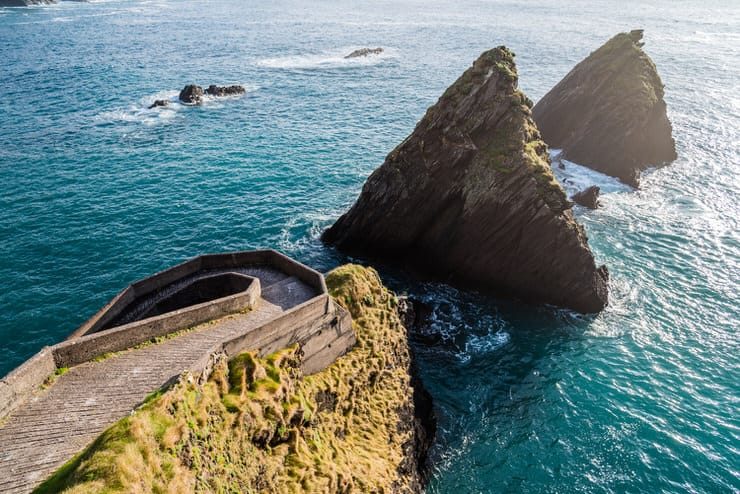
{"x":327,"y":60}
{"x":575,"y":177}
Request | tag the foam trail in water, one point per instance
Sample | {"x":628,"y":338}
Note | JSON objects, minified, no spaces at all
{"x":327,"y":60}
{"x":140,"y":112}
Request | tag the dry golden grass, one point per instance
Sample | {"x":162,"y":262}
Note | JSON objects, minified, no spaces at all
{"x":258,"y":425}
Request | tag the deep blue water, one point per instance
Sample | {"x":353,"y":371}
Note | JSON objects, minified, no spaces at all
{"x":97,"y":191}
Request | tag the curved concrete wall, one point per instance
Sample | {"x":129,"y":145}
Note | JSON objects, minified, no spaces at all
{"x":78,"y":350}
{"x":232,"y":260}
{"x":322,"y":328}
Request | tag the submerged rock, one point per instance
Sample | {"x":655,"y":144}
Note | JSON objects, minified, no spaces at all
{"x":159,"y":103}
{"x":588,"y":197}
{"x":469,"y":198}
{"x":191,"y":94}
{"x":608,"y":113}
{"x":363,"y":52}
{"x":214,"y":90}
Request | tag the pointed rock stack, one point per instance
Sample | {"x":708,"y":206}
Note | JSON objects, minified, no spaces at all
{"x":608,"y":113}
{"x":469,"y":198}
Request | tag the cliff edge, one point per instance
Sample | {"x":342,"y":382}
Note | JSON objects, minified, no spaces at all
{"x":608,"y":113}
{"x":256,"y":424}
{"x":469,"y":197}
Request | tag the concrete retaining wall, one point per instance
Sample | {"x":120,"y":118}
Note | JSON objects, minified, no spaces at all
{"x":85,"y":348}
{"x":322,"y":336}
{"x":25,"y":379}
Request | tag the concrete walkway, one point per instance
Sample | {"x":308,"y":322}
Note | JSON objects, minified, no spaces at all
{"x":56,"y":423}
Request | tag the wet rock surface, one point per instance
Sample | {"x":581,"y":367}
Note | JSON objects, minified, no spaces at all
{"x":588,"y":197}
{"x":191,"y":94}
{"x":159,"y":103}
{"x":214,"y":90}
{"x":364,"y":52}
{"x":469,"y":198}
{"x":608,"y":113}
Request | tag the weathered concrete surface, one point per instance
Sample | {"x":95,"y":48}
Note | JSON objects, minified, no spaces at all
{"x":57,"y":422}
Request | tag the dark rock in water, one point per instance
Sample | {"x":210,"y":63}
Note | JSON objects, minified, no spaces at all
{"x":23,"y":3}
{"x":469,"y":197}
{"x":588,"y":197}
{"x":417,"y":317}
{"x":191,"y":94}
{"x":214,"y":90}
{"x":608,"y":113}
{"x":158,"y":103}
{"x":414,"y":313}
{"x":363,"y":52}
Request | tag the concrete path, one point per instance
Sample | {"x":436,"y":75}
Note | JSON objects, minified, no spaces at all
{"x":61,"y":420}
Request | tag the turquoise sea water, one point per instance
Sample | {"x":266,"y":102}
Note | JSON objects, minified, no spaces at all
{"x":97,"y":191}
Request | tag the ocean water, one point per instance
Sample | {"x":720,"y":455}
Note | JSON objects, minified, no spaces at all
{"x":98,"y":191}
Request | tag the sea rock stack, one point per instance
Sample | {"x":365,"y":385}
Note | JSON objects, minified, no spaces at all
{"x":363,"y":52}
{"x":469,"y":198}
{"x":608,"y":113}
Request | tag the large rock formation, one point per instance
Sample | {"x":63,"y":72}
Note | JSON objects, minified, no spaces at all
{"x":469,"y":197}
{"x":608,"y":113}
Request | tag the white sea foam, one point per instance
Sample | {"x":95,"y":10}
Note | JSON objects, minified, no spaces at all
{"x":333,"y":59}
{"x":487,"y":343}
{"x":140,"y":112}
{"x":575,"y":177}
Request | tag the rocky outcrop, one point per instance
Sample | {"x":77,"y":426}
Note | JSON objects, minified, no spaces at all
{"x":191,"y":94}
{"x":469,"y":198}
{"x":608,"y":113}
{"x":363,"y":52}
{"x":159,"y":103}
{"x":257,"y":424}
{"x":588,"y":197}
{"x":214,"y":90}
